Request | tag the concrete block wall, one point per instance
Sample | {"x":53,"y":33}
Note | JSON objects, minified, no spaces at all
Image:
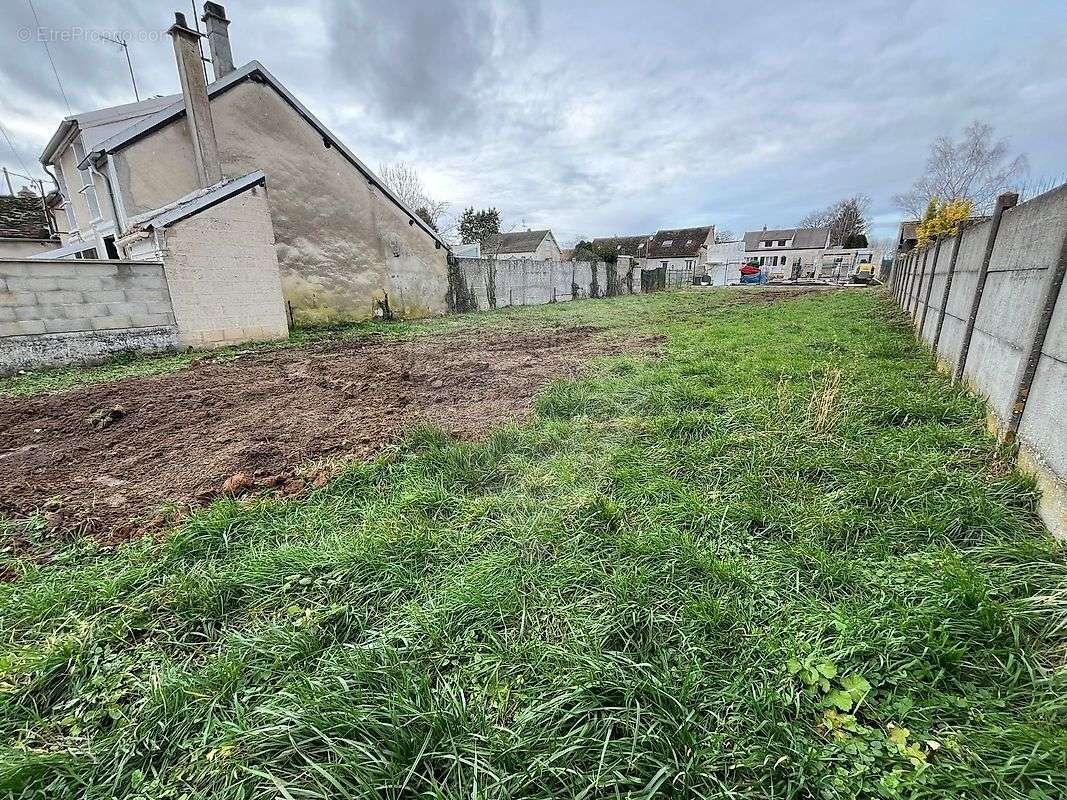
{"x":66,"y":311}
{"x":1027,"y":251}
{"x":222,"y":269}
{"x":63,"y":296}
{"x":496,"y":283}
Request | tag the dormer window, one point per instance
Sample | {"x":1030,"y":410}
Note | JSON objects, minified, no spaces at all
{"x":688,"y":242}
{"x":668,"y":242}
{"x":781,"y":242}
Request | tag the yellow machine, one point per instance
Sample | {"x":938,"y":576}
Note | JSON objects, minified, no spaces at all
{"x":864,"y":273}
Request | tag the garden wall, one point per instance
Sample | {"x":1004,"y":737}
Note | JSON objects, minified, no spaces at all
{"x":68,"y":311}
{"x":1010,"y":345}
{"x":482,"y":283}
{"x":205,"y":274}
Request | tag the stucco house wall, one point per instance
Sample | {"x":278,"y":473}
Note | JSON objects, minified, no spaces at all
{"x":69,"y":164}
{"x":342,"y":246}
{"x":23,"y":248}
{"x":673,"y":264}
{"x":808,"y":258}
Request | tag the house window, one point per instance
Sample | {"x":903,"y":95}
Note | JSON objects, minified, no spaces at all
{"x":781,"y":242}
{"x":664,"y":264}
{"x":668,"y":242}
{"x":689,"y":264}
{"x":88,"y":189}
{"x":68,"y":207}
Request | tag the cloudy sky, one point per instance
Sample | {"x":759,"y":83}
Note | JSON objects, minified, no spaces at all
{"x":598,"y":118}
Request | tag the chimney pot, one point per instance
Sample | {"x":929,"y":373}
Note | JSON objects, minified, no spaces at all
{"x":218,"y":39}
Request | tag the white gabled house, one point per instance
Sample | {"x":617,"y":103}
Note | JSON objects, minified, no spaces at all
{"x":533,"y":245}
{"x":787,"y":253}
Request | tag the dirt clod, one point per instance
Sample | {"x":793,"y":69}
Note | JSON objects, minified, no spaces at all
{"x":237,"y":484}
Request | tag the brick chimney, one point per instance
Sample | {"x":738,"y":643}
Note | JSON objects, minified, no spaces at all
{"x":218,"y":39}
{"x":197,"y":106}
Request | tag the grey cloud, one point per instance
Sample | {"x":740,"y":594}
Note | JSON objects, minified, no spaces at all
{"x":431,"y":67}
{"x":614,"y":118}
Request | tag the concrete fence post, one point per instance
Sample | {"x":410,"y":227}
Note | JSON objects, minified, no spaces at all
{"x":930,"y":286}
{"x":948,"y":289}
{"x":916,"y":285}
{"x":905,"y":276}
{"x":905,"y":273}
{"x":1004,"y":202}
{"x":904,"y":292}
{"x":898,"y":269}
{"x":1033,"y":357}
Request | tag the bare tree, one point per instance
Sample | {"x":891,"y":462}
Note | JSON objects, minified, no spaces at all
{"x":406,"y":184}
{"x":846,"y":219}
{"x":724,"y":235}
{"x":975,"y":168}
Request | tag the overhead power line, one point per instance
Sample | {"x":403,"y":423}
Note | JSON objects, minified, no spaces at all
{"x":48,"y":51}
{"x":7,"y":139}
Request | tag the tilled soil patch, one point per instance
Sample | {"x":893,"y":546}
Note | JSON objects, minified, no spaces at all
{"x":107,"y":457}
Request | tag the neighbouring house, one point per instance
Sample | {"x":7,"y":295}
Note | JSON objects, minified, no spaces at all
{"x":676,"y":250}
{"x":346,"y":245}
{"x":24,"y":226}
{"x":532,"y":245}
{"x":787,"y":253}
{"x":681,"y":252}
{"x":908,"y":235}
{"x":633,"y":246}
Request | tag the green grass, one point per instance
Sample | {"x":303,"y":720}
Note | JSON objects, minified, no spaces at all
{"x":783,"y":560}
{"x":137,"y":365}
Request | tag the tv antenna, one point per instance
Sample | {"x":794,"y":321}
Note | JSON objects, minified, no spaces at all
{"x":126,"y":49}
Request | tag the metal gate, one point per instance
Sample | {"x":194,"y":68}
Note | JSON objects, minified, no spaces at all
{"x":653,"y":280}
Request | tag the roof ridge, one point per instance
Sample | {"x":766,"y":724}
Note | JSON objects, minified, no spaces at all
{"x":143,"y":127}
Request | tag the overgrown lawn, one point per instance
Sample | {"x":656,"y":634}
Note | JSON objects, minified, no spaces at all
{"x":784,"y":559}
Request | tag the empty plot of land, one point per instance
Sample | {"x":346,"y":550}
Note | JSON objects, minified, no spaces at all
{"x":111,"y":454}
{"x":783,"y":558}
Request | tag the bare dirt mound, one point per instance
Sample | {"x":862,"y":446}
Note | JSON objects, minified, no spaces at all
{"x":107,"y":457}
